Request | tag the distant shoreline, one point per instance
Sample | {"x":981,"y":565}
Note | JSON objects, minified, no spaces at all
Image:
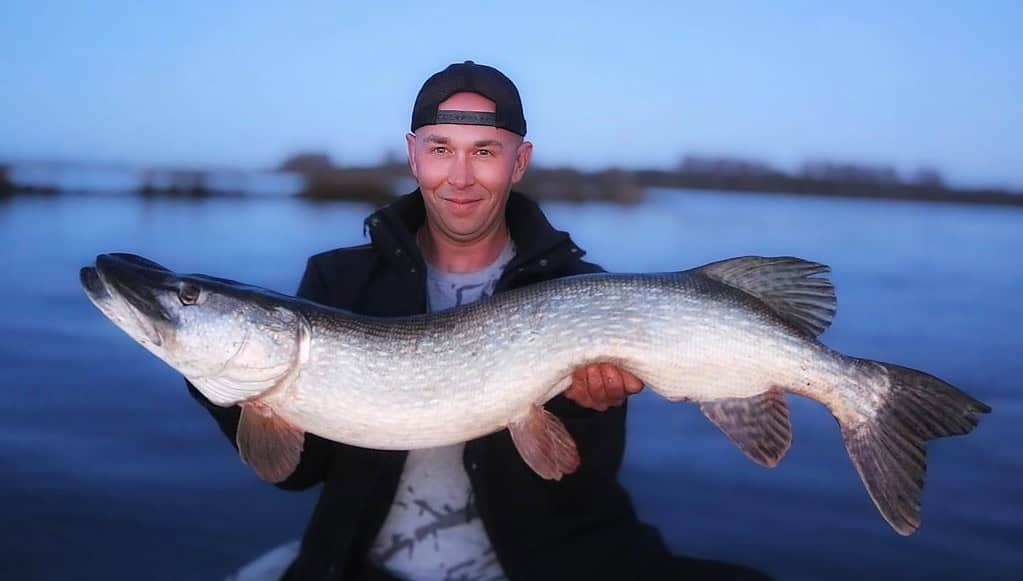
{"x":380,"y":184}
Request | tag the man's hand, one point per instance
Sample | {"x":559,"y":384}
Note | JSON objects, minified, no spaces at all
{"x":602,"y":385}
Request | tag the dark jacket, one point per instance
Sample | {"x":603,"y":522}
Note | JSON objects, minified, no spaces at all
{"x":582,"y":527}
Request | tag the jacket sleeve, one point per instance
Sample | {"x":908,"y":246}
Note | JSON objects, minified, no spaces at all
{"x":317,"y":453}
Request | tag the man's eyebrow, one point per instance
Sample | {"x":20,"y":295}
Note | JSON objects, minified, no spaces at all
{"x":488,"y":143}
{"x":434,"y":138}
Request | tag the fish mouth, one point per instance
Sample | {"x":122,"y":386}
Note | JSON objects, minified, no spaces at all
{"x":126,"y":280}
{"x":93,"y":285}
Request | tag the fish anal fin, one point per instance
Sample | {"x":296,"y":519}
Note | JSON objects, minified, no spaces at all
{"x":267,"y":442}
{"x":544,"y":443}
{"x":758,"y":425}
{"x":789,"y":286}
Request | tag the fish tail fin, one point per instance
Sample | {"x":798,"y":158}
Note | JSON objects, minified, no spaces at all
{"x":888,"y":448}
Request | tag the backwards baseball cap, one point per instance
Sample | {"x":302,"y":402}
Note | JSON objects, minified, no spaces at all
{"x":469,"y":77}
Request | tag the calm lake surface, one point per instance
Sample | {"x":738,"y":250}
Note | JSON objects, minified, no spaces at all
{"x":110,"y":471}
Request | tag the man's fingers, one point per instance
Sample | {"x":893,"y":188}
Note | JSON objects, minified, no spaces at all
{"x":614,"y":384}
{"x":633,"y":384}
{"x":579,"y":391}
{"x":602,"y":385}
{"x":598,"y":393}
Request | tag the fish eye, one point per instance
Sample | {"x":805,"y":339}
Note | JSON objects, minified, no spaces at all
{"x":188,"y":294}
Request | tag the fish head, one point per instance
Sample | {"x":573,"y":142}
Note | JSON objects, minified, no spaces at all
{"x":232,"y":341}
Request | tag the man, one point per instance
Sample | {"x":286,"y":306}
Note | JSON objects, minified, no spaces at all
{"x":473,"y":510}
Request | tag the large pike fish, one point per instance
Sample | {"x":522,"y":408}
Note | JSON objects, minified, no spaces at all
{"x":733,"y":336}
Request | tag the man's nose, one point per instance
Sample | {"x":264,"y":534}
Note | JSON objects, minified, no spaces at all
{"x":460,"y":174}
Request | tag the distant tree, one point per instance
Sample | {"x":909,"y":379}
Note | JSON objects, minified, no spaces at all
{"x":392,"y":157}
{"x":6,"y":187}
{"x":725,"y":167}
{"x":928,"y":177}
{"x":849,"y":173}
{"x":395,"y":163}
{"x":175,"y":183}
{"x":308,"y":163}
{"x":368,"y":184}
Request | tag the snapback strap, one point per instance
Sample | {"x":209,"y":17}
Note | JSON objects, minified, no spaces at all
{"x":465,"y":117}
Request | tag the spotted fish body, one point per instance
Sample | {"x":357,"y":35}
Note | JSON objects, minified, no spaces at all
{"x":449,"y":377}
{"x":732,"y":336}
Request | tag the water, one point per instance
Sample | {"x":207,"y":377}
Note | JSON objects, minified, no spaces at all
{"x":111,"y":471}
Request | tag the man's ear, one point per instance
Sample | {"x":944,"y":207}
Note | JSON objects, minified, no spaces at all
{"x":410,"y":141}
{"x":523,"y":154}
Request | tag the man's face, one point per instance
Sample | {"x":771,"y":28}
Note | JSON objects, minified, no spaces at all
{"x":466,"y":171}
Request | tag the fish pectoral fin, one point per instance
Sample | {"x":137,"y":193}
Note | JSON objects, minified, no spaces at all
{"x":267,"y":442}
{"x":758,"y":425}
{"x":544,"y":443}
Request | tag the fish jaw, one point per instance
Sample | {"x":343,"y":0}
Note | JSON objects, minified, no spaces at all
{"x":232,"y":341}
{"x":120,"y":311}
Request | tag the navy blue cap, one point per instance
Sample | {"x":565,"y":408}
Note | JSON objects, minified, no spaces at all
{"x":469,"y":77}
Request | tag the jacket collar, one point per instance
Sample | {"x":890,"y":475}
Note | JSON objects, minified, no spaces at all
{"x":393,"y":228}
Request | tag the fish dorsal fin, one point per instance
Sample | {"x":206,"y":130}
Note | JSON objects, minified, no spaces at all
{"x":789,"y":286}
{"x":758,"y":425}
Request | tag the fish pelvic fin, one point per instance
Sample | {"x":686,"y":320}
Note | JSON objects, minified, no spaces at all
{"x":758,"y":425}
{"x":267,"y":442}
{"x":888,"y":449}
{"x":789,"y":286}
{"x":544,"y":443}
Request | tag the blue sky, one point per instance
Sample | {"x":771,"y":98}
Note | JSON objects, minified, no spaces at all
{"x":631,"y":84}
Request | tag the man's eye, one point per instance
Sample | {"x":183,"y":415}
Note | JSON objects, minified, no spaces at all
{"x":484,"y":152}
{"x":439,"y":150}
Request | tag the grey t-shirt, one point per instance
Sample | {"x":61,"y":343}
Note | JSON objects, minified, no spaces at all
{"x":452,"y":289}
{"x":433,"y":531}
